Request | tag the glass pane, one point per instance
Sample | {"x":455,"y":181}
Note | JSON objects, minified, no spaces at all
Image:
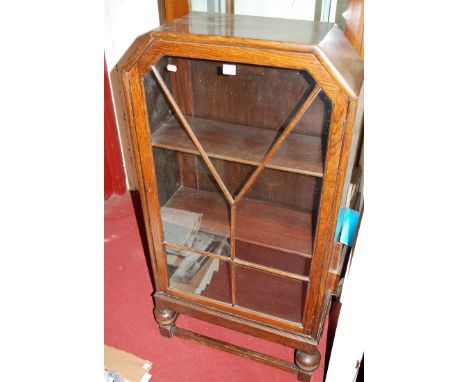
{"x":275,"y":221}
{"x":273,"y":258}
{"x":326,"y":11}
{"x":267,"y":293}
{"x":305,"y":148}
{"x":157,"y":106}
{"x":193,"y":211}
{"x":199,"y":274}
{"x":237,"y":112}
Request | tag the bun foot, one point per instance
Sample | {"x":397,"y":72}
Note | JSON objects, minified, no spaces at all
{"x":306,"y":364}
{"x":166,"y":319}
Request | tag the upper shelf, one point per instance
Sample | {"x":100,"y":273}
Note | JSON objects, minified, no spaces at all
{"x":300,"y":154}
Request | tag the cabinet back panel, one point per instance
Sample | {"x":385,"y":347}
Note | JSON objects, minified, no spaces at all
{"x":167,"y":173}
{"x":156,"y":104}
{"x":281,"y":188}
{"x":256,"y":96}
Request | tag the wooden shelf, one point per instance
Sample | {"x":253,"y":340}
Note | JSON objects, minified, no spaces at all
{"x":300,"y":154}
{"x":257,"y":222}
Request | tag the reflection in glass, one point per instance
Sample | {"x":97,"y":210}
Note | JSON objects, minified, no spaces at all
{"x":198,"y":274}
{"x":193,"y":211}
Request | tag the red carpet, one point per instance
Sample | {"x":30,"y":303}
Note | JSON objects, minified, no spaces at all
{"x":129,"y":324}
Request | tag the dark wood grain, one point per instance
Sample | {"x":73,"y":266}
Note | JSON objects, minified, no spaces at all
{"x":267,"y":96}
{"x":236,"y":350}
{"x":273,"y":258}
{"x":300,"y":154}
{"x":235,"y":322}
{"x":182,"y":93}
{"x":306,"y":364}
{"x":281,"y":188}
{"x":156,"y":105}
{"x":269,"y":293}
{"x":166,"y":164}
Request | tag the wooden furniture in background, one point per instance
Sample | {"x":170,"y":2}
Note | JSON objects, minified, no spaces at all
{"x":230,"y":7}
{"x":241,"y":129}
{"x":354,"y":29}
{"x":175,"y":8}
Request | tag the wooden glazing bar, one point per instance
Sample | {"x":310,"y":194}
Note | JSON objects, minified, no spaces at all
{"x":182,"y":248}
{"x":192,"y":136}
{"x":233,"y":254}
{"x":236,"y":350}
{"x":285,"y":250}
{"x":277,"y":144}
{"x":237,"y":261}
{"x":275,"y":271}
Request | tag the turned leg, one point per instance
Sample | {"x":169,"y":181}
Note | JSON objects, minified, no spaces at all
{"x":306,"y":364}
{"x":166,"y":320}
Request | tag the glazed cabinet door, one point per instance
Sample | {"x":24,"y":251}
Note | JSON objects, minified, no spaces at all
{"x":239,"y":154}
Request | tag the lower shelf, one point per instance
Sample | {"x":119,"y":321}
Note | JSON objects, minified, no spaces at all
{"x":258,"y":223}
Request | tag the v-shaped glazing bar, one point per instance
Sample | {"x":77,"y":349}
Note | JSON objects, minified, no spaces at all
{"x":191,"y":134}
{"x":308,"y":101}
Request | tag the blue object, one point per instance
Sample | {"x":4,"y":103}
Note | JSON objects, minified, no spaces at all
{"x":346,"y":226}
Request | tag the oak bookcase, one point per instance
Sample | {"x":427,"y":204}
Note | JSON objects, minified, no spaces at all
{"x":241,"y":129}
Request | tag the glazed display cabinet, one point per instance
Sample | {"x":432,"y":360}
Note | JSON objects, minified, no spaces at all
{"x":241,"y":128}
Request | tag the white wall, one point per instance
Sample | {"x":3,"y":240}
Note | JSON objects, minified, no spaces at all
{"x":124,"y":20}
{"x":348,"y":345}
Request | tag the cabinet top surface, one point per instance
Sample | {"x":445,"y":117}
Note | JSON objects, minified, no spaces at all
{"x":324,"y":40}
{"x":307,"y":33}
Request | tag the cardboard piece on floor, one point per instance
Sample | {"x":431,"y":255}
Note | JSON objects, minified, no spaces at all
{"x":132,"y":368}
